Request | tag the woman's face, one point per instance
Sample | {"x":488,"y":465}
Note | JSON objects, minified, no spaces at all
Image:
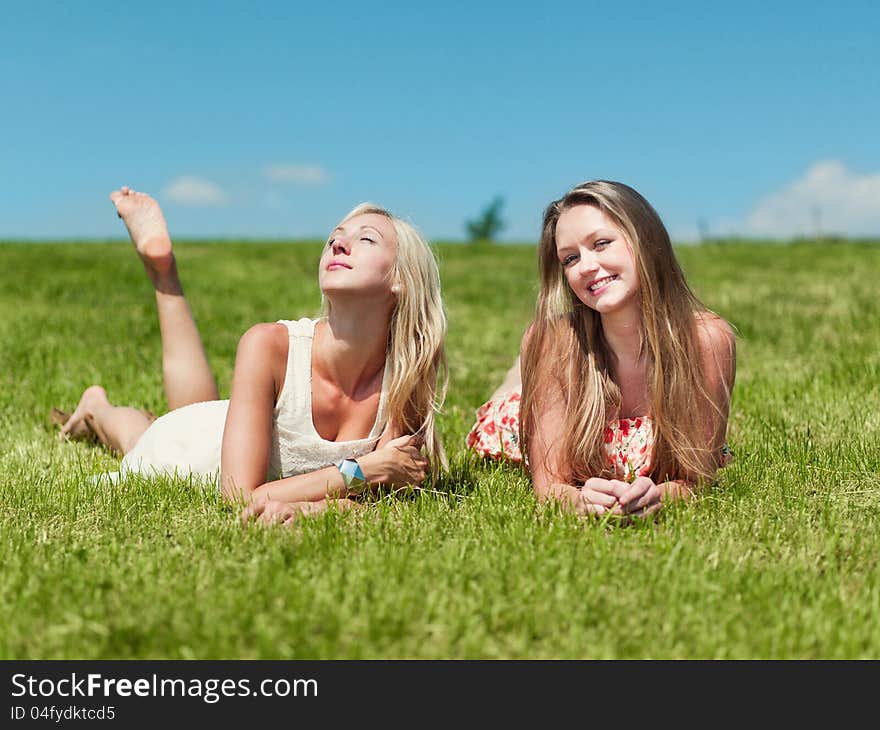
{"x":597,"y":259}
{"x":359,"y":256}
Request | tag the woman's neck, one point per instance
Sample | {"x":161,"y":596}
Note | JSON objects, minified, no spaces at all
{"x":350,"y":349}
{"x":623,"y":334}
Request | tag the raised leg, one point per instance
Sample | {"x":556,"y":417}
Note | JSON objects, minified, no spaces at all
{"x":117,"y":427}
{"x":185,"y":369}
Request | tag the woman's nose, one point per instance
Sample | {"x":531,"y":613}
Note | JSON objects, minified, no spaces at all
{"x":587,"y":265}
{"x":341,"y":245}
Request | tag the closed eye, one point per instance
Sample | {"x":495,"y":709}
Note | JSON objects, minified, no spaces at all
{"x":364,"y":238}
{"x":601,"y":242}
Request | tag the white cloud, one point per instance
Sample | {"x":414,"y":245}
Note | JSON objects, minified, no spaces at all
{"x":306,"y":175}
{"x":829,"y":197}
{"x":195,"y":191}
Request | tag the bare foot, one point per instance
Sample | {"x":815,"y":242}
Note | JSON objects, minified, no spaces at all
{"x":57,"y":417}
{"x":146,"y":225}
{"x":77,"y":425}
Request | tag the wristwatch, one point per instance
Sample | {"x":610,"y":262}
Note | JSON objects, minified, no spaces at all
{"x":352,"y":474}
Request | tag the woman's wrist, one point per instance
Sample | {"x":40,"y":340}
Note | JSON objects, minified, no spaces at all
{"x":352,"y":475}
{"x":373,"y":474}
{"x":676,"y":489}
{"x":562,"y":492}
{"x":259,"y":495}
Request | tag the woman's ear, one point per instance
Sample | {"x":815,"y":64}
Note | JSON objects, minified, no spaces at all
{"x":396,"y":288}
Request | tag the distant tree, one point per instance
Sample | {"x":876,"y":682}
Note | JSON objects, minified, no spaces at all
{"x":488,"y":224}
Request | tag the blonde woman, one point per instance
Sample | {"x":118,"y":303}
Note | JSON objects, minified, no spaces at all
{"x":621,"y":396}
{"x":320,"y":409}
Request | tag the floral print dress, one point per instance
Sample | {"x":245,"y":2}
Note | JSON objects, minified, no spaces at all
{"x":629,"y":442}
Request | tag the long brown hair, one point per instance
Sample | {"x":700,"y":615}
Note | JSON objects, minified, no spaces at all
{"x":567,"y":350}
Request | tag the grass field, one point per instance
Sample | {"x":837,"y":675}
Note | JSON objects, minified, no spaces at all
{"x":780,"y":560}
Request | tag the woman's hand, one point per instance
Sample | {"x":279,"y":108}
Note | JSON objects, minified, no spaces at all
{"x":399,"y":463}
{"x":271,"y":512}
{"x":599,"y":495}
{"x":641,"y":498}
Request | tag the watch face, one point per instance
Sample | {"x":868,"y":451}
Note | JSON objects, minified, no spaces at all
{"x":352,"y":474}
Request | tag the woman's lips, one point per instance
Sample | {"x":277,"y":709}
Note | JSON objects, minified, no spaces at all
{"x":600,"y":285}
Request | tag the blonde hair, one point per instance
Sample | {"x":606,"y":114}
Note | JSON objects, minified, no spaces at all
{"x":416,"y":339}
{"x":567,"y":345}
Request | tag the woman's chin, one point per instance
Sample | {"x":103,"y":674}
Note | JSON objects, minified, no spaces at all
{"x":610,"y":305}
{"x":331,"y":290}
{"x":366,"y":294}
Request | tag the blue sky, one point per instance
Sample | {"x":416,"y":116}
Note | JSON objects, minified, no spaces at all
{"x":273,"y":119}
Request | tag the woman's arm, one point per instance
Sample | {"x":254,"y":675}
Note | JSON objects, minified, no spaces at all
{"x":718,"y":359}
{"x":256,"y":382}
{"x":285,"y":513}
{"x":596,"y":496}
{"x":398,"y":463}
{"x":260,"y":366}
{"x":717,"y":344}
{"x":544,"y":456}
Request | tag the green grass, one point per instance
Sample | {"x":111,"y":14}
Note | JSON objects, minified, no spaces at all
{"x":779,"y":560}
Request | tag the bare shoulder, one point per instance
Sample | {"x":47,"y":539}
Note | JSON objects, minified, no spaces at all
{"x":266,"y":335}
{"x":266,"y":342}
{"x":715,"y":335}
{"x":717,"y":342}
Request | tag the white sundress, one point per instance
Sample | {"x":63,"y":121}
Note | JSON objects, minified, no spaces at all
{"x":187,"y":440}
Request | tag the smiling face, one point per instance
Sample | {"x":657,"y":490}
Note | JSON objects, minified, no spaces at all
{"x":359,"y":257}
{"x":597,"y":259}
